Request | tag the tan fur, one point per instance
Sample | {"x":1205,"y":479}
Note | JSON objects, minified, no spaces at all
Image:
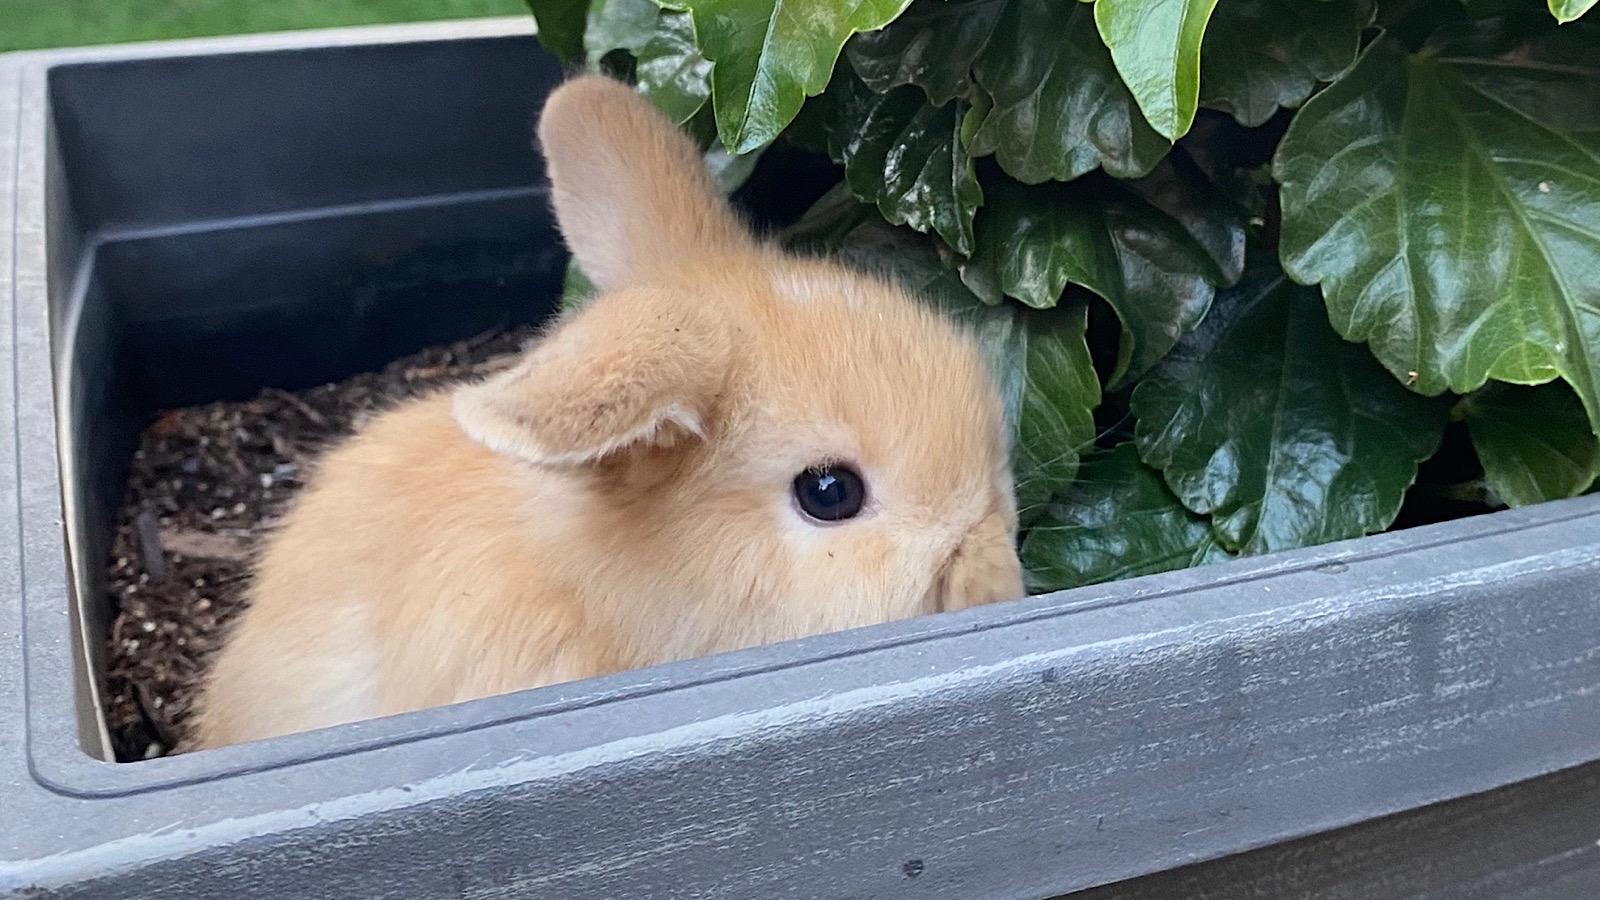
{"x":622,"y":496}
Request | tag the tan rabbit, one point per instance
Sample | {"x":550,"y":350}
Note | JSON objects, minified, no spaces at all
{"x":729,"y":446}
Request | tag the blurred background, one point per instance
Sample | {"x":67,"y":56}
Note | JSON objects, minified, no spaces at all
{"x":31,"y":24}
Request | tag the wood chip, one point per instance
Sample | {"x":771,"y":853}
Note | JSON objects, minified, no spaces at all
{"x":150,"y":549}
{"x":204,"y":545}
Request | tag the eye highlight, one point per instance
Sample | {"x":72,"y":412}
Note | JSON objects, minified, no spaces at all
{"x":830,"y":493}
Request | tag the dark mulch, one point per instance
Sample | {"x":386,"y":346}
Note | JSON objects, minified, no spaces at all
{"x":206,"y":483}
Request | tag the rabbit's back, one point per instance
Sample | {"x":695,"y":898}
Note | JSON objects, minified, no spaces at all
{"x":409,"y":574}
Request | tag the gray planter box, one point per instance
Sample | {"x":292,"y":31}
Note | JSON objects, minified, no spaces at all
{"x":190,"y":221}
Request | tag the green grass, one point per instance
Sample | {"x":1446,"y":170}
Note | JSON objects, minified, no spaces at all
{"x":29,"y":24}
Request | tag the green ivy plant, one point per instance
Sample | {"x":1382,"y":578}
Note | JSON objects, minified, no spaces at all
{"x":1252,"y":274}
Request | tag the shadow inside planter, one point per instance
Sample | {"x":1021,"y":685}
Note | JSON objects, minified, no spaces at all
{"x":222,"y":224}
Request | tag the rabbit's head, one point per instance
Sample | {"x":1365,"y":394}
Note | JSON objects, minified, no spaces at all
{"x":759,"y":446}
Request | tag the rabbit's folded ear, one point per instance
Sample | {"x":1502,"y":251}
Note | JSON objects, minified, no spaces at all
{"x":631,"y":193}
{"x":626,"y":372}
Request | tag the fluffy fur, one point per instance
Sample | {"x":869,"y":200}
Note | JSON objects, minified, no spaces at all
{"x":622,"y":496}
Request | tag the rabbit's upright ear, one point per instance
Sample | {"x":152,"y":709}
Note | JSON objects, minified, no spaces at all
{"x":631,"y":193}
{"x":628,"y":371}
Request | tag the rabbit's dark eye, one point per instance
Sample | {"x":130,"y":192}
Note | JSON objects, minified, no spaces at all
{"x":829,"y":493}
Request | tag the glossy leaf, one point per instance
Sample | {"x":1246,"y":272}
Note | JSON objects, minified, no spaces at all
{"x":1264,"y":54}
{"x":1534,"y":442}
{"x":907,"y":158}
{"x":1569,"y":10}
{"x":1156,"y":250}
{"x":1059,"y":393}
{"x":1156,"y":47}
{"x":671,"y":71}
{"x":1040,"y":360}
{"x":1060,"y":109}
{"x":867,"y":244}
{"x":1283,"y":433}
{"x":619,"y":25}
{"x":1117,"y":520}
{"x":1449,"y":205}
{"x":769,"y":55}
{"x":932,"y":45}
{"x":560,"y":26}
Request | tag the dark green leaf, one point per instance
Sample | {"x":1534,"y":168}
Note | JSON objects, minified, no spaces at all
{"x":824,"y":227}
{"x":1118,"y":520}
{"x":1413,"y":22}
{"x":618,"y":25}
{"x":1286,"y":435}
{"x":560,"y":26}
{"x":809,"y":130}
{"x":667,"y":66}
{"x":1568,"y":10}
{"x":1060,"y":109}
{"x":1060,"y":391}
{"x":1449,"y":204}
{"x":1264,"y":54}
{"x":1156,"y":47}
{"x":1486,"y":9}
{"x":769,"y":55}
{"x":1156,"y":250}
{"x":867,"y":244}
{"x":932,"y":46}
{"x":907,"y":157}
{"x":671,"y":71}
{"x":1534,"y":442}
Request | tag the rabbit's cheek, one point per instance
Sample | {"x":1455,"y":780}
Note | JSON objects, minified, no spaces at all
{"x":984,"y":569}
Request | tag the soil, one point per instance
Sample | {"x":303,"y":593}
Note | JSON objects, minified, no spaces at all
{"x":207,"y":482}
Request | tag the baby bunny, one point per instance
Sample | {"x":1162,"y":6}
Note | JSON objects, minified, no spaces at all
{"x":729,"y":446}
